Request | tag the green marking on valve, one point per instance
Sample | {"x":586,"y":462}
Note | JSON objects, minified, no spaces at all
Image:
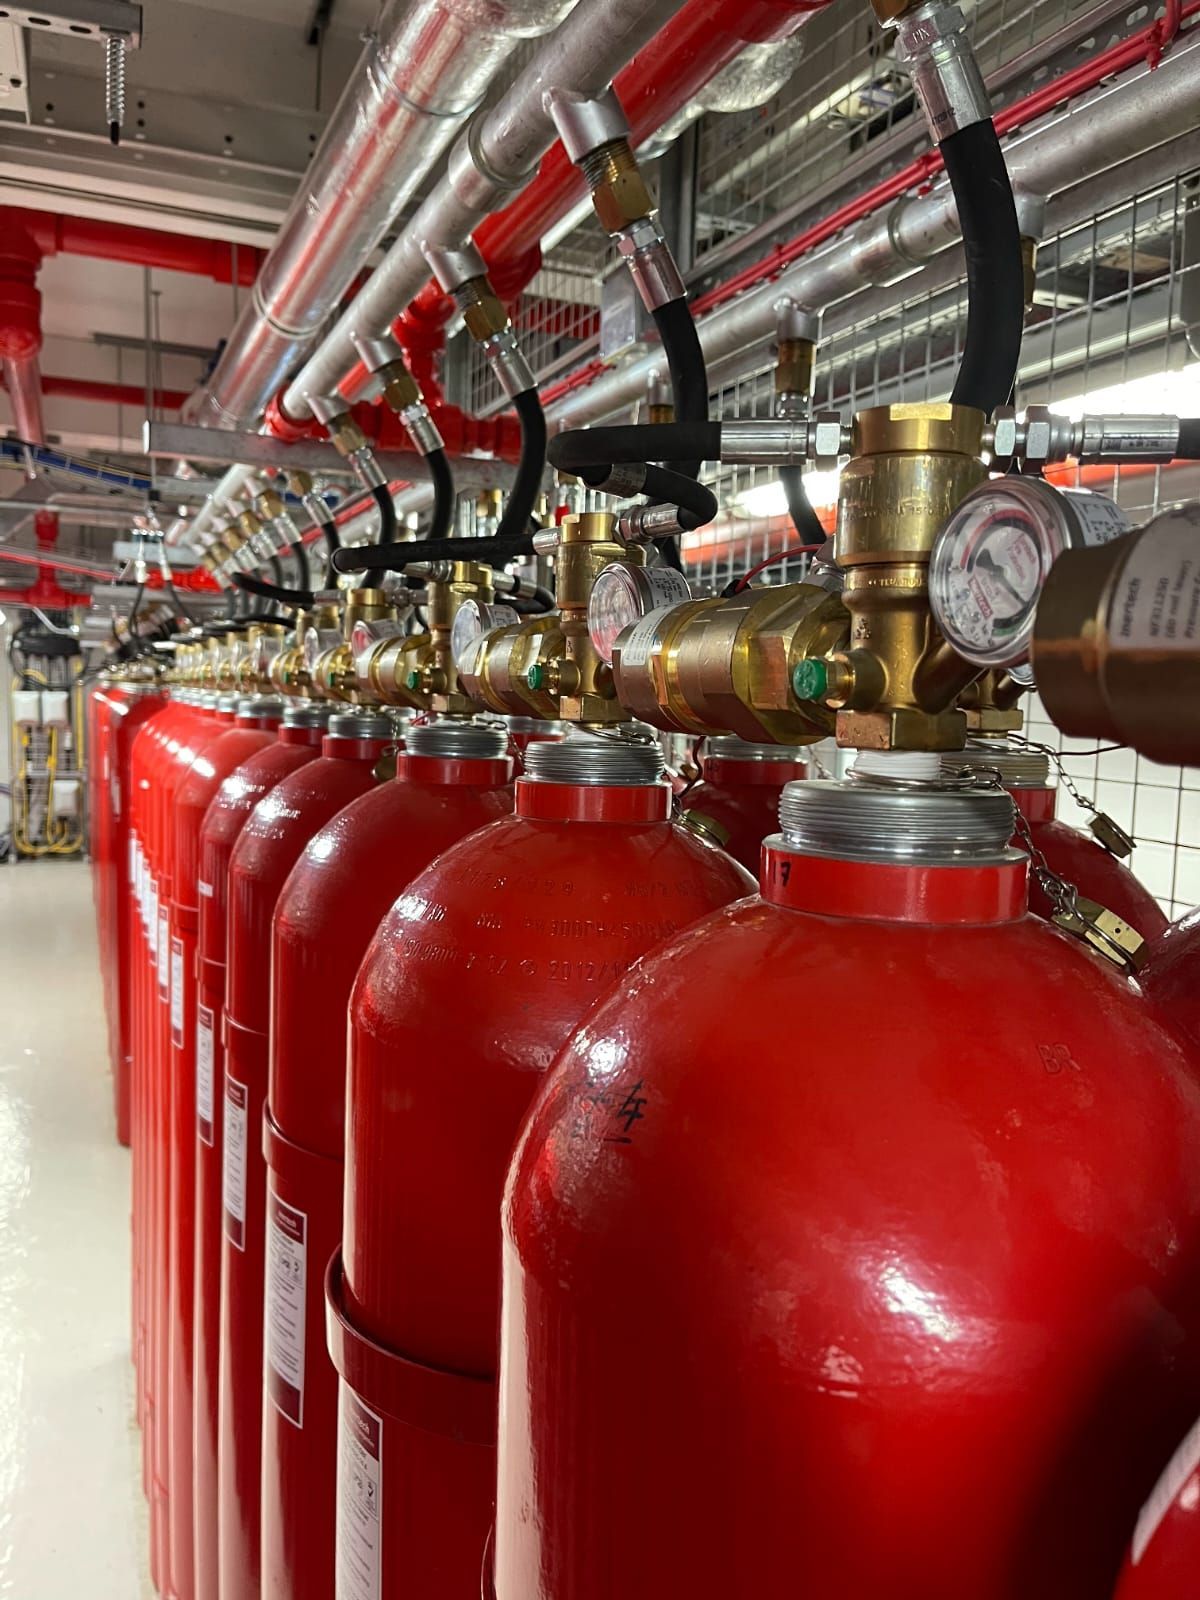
{"x":536,"y":675}
{"x":810,"y":679}
{"x":413,"y":681}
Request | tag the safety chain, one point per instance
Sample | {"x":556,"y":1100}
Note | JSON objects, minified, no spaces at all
{"x":1107,"y":830}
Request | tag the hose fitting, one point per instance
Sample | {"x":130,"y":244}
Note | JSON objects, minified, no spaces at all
{"x":932,"y":44}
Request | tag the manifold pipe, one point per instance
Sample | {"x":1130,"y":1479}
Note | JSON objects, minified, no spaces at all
{"x":421,"y":76}
{"x":231,"y":485}
{"x":1136,"y":112}
{"x":494,"y":157}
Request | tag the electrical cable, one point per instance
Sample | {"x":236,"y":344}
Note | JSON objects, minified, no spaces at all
{"x":743,"y":582}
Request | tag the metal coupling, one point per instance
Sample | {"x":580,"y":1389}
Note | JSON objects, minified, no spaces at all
{"x":376,"y":351}
{"x":822,"y":439}
{"x":1125,"y":438}
{"x":1040,"y":437}
{"x":651,"y":265}
{"x":422,"y":429}
{"x":507,"y":361}
{"x":795,"y":358}
{"x":585,"y":124}
{"x":932,"y":43}
{"x":643,"y":524}
{"x":454,"y":267}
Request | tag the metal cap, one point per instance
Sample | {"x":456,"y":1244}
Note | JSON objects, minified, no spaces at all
{"x":728,"y":747}
{"x":595,"y":759}
{"x":457,"y":741}
{"x":1018,"y":768}
{"x":360,"y":725}
{"x":876,"y":820}
{"x":306,"y":714}
{"x":228,"y":702}
{"x":260,"y":705}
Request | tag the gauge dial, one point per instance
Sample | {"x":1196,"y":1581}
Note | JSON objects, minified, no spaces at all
{"x":472,"y":620}
{"x":991,"y":559}
{"x":622,"y":594}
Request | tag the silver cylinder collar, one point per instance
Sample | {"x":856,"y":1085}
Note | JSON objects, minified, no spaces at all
{"x":915,"y":823}
{"x":595,"y":760}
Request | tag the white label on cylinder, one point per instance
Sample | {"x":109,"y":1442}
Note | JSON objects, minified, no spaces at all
{"x":358,"y":1568}
{"x":287,"y":1275}
{"x":237,"y":1098}
{"x":669,"y":588}
{"x":164,"y":953}
{"x":1156,"y":599}
{"x":205,"y":889}
{"x":1178,"y":1470}
{"x":177,"y":993}
{"x":204,"y":1074}
{"x":642,"y":638}
{"x":151,"y":913}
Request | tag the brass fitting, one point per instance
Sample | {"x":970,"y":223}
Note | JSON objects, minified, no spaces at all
{"x":345,"y":434}
{"x":400,"y":388}
{"x":270,"y":504}
{"x":315,"y":631}
{"x":990,"y":705}
{"x":794,"y":363}
{"x":418,"y":670}
{"x":331,"y":670}
{"x":484,"y":313}
{"x":261,"y":644}
{"x":620,"y":195}
{"x":548,"y":666}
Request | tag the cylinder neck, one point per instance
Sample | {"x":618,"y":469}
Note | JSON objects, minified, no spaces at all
{"x":471,"y":772}
{"x":896,"y":851}
{"x":538,"y":799}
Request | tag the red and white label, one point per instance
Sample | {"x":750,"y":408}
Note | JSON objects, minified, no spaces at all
{"x":151,"y":917}
{"x":204,"y":889}
{"x":177,"y":993}
{"x":1179,"y":1469}
{"x":237,"y":1099}
{"x":358,"y":1567}
{"x":287,"y":1276}
{"x":204,"y":1074}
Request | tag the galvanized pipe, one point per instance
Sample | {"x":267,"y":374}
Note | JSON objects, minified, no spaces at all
{"x":1138,"y":111}
{"x":495,"y":156}
{"x":421,"y":76}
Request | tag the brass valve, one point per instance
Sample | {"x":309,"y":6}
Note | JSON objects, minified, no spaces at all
{"x":418,"y":670}
{"x":331,"y":670}
{"x":548,"y":666}
{"x":261,"y":642}
{"x":289,"y":670}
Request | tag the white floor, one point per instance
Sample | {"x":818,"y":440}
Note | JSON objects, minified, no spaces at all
{"x":72,"y":1518}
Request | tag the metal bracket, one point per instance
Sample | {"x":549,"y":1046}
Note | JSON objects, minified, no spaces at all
{"x":81,"y":19}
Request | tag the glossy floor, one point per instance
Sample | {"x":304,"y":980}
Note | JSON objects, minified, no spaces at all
{"x":72,"y":1518}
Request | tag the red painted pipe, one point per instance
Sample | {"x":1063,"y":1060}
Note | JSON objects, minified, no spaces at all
{"x":111,"y":394}
{"x":140,"y":247}
{"x":704,"y":37}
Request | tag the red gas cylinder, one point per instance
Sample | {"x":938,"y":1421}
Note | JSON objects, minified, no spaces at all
{"x":267,"y":848}
{"x":1171,"y":976}
{"x":1163,"y":1562}
{"x":452,"y":779}
{"x":739,"y":790}
{"x":298,"y":742}
{"x":478,"y":973}
{"x":254,"y":731}
{"x":179,"y":737}
{"x":850,"y":1248}
{"x":118,"y":711}
{"x":1076,"y":856}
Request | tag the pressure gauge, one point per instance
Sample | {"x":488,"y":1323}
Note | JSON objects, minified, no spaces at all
{"x":622,"y":595}
{"x":992,"y":558}
{"x":471,"y":621}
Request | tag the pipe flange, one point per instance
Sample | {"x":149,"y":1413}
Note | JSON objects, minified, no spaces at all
{"x":596,"y":760}
{"x":928,"y":824}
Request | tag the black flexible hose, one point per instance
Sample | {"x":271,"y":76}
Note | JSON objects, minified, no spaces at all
{"x":577,"y":448}
{"x":533,"y":595}
{"x":381,"y":558}
{"x":804,"y":519}
{"x":685,"y":362}
{"x":995,"y":276}
{"x":274,"y":591}
{"x":532,"y":465}
{"x":697,"y":504}
{"x":442,"y":519}
{"x":332,"y":537}
{"x":303,"y":570}
{"x":382,"y":497}
{"x":1188,"y":448}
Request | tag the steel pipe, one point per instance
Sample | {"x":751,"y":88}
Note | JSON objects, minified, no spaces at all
{"x":422,"y":74}
{"x":23,"y":380}
{"x":1138,"y":111}
{"x":494,"y":157}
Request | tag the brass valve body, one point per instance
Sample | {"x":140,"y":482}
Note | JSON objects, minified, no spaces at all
{"x":333,"y":674}
{"x":418,"y":670}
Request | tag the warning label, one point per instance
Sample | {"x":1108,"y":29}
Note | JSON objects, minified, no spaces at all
{"x":237,"y":1099}
{"x":359,"y":1485}
{"x":287,"y":1233}
{"x":177,"y":993}
{"x":204,"y":1074}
